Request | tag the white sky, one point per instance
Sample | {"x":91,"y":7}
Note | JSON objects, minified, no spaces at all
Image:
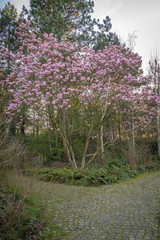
{"x":127,"y":16}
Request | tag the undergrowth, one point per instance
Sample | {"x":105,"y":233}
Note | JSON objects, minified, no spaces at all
{"x":23,"y":218}
{"x":88,"y":177}
{"x":158,"y":218}
{"x":19,"y":217}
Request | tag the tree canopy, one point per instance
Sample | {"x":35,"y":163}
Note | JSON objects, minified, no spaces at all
{"x":8,"y":25}
{"x":52,"y":82}
{"x":72,"y":21}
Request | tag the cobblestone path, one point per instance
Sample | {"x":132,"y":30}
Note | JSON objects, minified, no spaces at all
{"x":122,"y":211}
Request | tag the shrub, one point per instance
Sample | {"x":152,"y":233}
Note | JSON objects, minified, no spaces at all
{"x":158,"y":218}
{"x":19,"y":218}
{"x":45,"y":144}
{"x":88,"y":177}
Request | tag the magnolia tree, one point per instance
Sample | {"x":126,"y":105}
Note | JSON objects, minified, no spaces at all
{"x":76,"y":92}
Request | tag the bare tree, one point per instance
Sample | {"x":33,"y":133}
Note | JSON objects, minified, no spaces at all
{"x":154,"y":73}
{"x":131,"y":44}
{"x":131,"y":40}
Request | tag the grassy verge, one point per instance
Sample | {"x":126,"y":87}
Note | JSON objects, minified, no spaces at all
{"x":19,"y":217}
{"x":23,"y":215}
{"x":89,"y":177}
{"x":158,"y":217}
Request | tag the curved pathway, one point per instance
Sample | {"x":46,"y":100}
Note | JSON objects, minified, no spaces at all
{"x":122,"y":211}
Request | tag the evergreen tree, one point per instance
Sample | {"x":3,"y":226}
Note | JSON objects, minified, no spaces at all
{"x":9,"y":44}
{"x":70,"y":20}
{"x":106,"y":39}
{"x":8,"y":25}
{"x":8,"y":37}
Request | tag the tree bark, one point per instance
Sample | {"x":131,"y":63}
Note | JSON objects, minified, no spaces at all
{"x":158,"y":112}
{"x":132,"y":153}
{"x":86,"y":146}
{"x":102,"y":143}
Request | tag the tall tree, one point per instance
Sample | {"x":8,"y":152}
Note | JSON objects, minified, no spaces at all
{"x":9,"y":44}
{"x":8,"y":25}
{"x":132,"y":151}
{"x":154,"y":73}
{"x":8,"y":37}
{"x":52,"y":79}
{"x":70,"y":20}
{"x":104,"y":39}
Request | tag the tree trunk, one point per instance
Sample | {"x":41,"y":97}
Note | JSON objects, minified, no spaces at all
{"x":155,"y":71}
{"x":102,"y":133}
{"x":158,"y":130}
{"x":86,"y":147}
{"x":67,"y":146}
{"x":12,"y":130}
{"x":102,"y":143}
{"x":111,"y":137}
{"x":132,"y":153}
{"x":23,"y":129}
{"x":69,"y":153}
{"x":85,"y":154}
{"x":158,"y":112}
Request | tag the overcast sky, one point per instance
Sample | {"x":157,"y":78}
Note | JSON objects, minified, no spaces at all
{"x":127,"y":16}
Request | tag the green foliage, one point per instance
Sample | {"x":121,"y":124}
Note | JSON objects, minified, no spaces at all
{"x":19,"y":217}
{"x":78,"y":145}
{"x":46,"y":144}
{"x":88,"y":177}
{"x":150,"y":166}
{"x":56,"y":149}
{"x":61,"y":18}
{"x":104,"y":40}
{"x":8,"y":24}
{"x":71,"y":21}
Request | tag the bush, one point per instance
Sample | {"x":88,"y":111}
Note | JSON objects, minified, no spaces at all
{"x":19,"y":218}
{"x":46,"y":144}
{"x":151,"y":165}
{"x":88,"y":177}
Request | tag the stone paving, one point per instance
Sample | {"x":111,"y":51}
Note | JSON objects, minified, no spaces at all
{"x":122,"y":211}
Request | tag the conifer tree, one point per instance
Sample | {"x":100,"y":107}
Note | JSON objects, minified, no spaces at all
{"x":70,"y":20}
